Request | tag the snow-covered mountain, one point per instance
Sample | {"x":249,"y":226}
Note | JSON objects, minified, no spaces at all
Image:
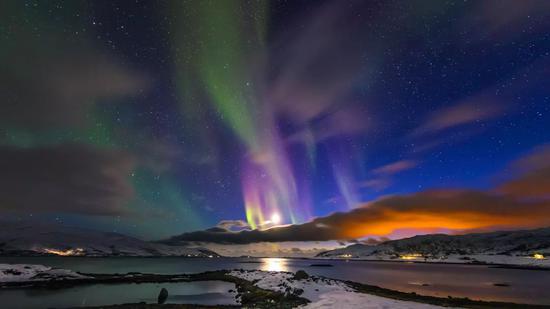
{"x":507,"y":247}
{"x":23,"y":239}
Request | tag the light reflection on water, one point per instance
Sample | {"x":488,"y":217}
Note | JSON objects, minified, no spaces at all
{"x":442,"y":280}
{"x":274,"y":264}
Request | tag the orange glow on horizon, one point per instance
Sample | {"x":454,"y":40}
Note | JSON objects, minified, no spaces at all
{"x":389,"y":222}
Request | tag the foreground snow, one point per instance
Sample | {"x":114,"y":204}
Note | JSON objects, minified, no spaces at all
{"x":322,"y":292}
{"x":27,"y":272}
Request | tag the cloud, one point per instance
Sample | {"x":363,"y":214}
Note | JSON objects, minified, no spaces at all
{"x":316,"y":69}
{"x":533,"y":180}
{"x":455,"y":210}
{"x":70,"y":178}
{"x":159,"y":155}
{"x":539,"y":158}
{"x":476,"y":109}
{"x":450,"y":209}
{"x":233,"y":224}
{"x":384,"y":173}
{"x":344,"y":121}
{"x":298,"y":232}
{"x":395,"y":167}
{"x":505,"y":19}
{"x":41,"y":89}
{"x":376,"y":184}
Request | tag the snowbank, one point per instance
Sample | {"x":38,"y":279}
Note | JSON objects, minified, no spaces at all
{"x":27,"y":272}
{"x":322,"y":292}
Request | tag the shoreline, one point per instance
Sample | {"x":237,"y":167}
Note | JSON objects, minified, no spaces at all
{"x":246,"y":260}
{"x":493,"y":265}
{"x":249,"y":293}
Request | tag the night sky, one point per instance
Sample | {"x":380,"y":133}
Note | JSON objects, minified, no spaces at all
{"x":157,"y":118}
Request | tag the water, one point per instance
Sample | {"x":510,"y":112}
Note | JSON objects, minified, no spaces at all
{"x":473,"y":281}
{"x":204,"y":293}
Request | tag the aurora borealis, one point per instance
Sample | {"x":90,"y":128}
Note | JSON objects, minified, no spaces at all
{"x":336,"y":119}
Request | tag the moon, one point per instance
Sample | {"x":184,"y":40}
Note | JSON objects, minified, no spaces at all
{"x":275,"y":218}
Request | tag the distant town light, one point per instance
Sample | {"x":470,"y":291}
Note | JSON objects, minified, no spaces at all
{"x":69,"y":252}
{"x":538,"y":256}
{"x":411,"y":256}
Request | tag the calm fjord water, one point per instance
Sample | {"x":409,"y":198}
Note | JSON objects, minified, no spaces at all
{"x":473,"y":281}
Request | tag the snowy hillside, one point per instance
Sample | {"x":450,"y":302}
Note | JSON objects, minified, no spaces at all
{"x":509,"y":247}
{"x":22,"y":239}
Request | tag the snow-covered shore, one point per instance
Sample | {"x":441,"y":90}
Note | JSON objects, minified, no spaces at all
{"x":322,"y":292}
{"x":30,"y":273}
{"x":500,"y":260}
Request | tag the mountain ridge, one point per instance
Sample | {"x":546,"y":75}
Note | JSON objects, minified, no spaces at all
{"x":508,"y":247}
{"x":32,"y":239}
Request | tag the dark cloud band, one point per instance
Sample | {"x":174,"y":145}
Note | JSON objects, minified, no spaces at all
{"x":518,"y":203}
{"x":69,"y":178}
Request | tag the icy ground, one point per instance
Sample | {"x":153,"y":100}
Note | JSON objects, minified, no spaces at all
{"x":27,"y":272}
{"x":322,"y":292}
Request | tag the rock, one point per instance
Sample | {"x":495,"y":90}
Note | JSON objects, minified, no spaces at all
{"x":300,"y":275}
{"x":14,"y":272}
{"x":163,"y":295}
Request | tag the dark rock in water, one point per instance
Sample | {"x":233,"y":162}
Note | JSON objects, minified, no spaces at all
{"x":321,"y":265}
{"x":163,"y":295}
{"x":300,"y":275}
{"x":501,"y":284}
{"x":14,"y":272}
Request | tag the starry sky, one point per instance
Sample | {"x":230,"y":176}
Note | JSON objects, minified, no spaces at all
{"x":265,"y":121}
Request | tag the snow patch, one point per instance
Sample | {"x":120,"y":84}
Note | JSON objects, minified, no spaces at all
{"x":28,"y":272}
{"x":322,"y":292}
